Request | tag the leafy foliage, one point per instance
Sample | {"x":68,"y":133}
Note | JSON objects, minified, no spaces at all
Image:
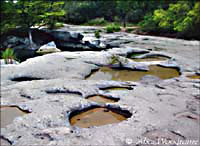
{"x":97,"y":34}
{"x":7,"y":13}
{"x":114,"y":60}
{"x":112,"y":28}
{"x":30,"y":13}
{"x":182,"y":18}
{"x":123,"y":9}
{"x":173,"y":16}
{"x":97,"y":21}
{"x":8,"y":55}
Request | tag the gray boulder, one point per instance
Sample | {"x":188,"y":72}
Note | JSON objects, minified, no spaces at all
{"x":48,"y":48}
{"x":73,"y":41}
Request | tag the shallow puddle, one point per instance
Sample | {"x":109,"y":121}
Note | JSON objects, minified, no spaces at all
{"x":106,"y":73}
{"x":150,"y":59}
{"x":117,"y":88}
{"x":102,"y":99}
{"x":194,"y":76}
{"x":98,"y":116}
{"x":135,"y":54}
{"x":8,"y":114}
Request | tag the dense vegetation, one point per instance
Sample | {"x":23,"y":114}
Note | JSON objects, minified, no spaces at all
{"x":178,"y":18}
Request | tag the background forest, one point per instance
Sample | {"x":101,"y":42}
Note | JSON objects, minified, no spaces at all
{"x":155,"y":17}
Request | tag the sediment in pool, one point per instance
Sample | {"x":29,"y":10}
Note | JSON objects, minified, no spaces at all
{"x":9,"y":113}
{"x":195,"y":76}
{"x":158,"y":58}
{"x":117,"y":88}
{"x":102,"y":99}
{"x":106,"y":73}
{"x":98,"y":116}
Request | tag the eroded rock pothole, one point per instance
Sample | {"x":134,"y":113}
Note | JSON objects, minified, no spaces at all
{"x":116,"y":88}
{"x":136,"y":54}
{"x":159,"y":58}
{"x":106,"y":73}
{"x":102,"y":99}
{"x":194,"y":76}
{"x":24,"y":78}
{"x":9,"y":113}
{"x":97,"y":116}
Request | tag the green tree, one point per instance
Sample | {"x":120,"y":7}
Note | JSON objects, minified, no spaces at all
{"x":191,"y":23}
{"x":123,"y":9}
{"x":28,"y":14}
{"x":181,"y":18}
{"x":7,"y":10}
{"x":31,"y":13}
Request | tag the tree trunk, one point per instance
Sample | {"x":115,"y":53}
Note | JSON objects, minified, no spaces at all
{"x":124,"y":21}
{"x":30,"y":39}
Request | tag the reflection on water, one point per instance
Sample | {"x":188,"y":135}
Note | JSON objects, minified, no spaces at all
{"x":106,"y":73}
{"x":101,"y":99}
{"x":96,"y":117}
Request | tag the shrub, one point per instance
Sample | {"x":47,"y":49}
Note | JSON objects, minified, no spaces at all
{"x":8,"y":55}
{"x":55,"y":25}
{"x":109,"y":29}
{"x":114,"y":59}
{"x":112,"y":28}
{"x":59,"y":25}
{"x":97,"y":34}
{"x":97,"y":21}
{"x":148,"y":24}
{"x":129,"y":30}
{"x":179,"y":18}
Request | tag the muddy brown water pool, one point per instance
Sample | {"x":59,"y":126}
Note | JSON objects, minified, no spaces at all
{"x":102,"y":99}
{"x":106,"y":73}
{"x":150,"y":59}
{"x":98,"y":116}
{"x":8,"y":114}
{"x":117,"y":88}
{"x":194,"y":76}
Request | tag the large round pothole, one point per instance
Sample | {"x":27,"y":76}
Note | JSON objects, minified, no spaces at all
{"x":106,"y":73}
{"x":9,"y":113}
{"x":97,"y":116}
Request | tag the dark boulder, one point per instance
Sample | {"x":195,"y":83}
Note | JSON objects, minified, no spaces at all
{"x":19,"y":41}
{"x":65,"y":41}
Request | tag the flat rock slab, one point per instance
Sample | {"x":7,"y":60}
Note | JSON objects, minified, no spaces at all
{"x":52,"y":86}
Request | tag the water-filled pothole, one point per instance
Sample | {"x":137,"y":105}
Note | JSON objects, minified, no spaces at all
{"x":195,"y":76}
{"x":150,"y":59}
{"x":102,"y":99}
{"x":97,"y":116}
{"x":21,"y":79}
{"x":116,"y":88}
{"x":106,"y":73}
{"x":135,"y":54}
{"x":9,"y":113}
